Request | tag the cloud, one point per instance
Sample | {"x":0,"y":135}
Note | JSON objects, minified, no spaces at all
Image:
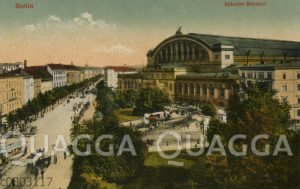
{"x":54,"y":18}
{"x":116,"y":49}
{"x":83,"y":23}
{"x":30,"y":28}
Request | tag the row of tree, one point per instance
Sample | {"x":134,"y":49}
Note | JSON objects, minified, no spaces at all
{"x":97,"y":170}
{"x":41,"y":103}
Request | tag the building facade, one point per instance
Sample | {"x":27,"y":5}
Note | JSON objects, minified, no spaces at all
{"x":42,"y":79}
{"x":28,"y":88}
{"x":111,"y":74}
{"x":198,"y":67}
{"x":7,"y":67}
{"x":11,"y":93}
{"x":28,"y":92}
{"x":37,"y":83}
{"x":58,"y":73}
{"x":216,"y":88}
{"x":88,"y":72}
{"x":283,"y":78}
{"x":74,"y":74}
{"x":46,"y":85}
{"x":221,"y":51}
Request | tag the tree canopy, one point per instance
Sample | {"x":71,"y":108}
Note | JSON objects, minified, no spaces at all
{"x":150,"y":100}
{"x":97,"y":170}
{"x":259,"y":113}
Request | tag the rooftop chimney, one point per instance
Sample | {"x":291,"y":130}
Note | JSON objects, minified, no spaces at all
{"x":25,"y":63}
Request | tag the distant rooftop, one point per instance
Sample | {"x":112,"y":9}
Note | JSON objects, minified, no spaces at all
{"x":121,"y":68}
{"x":62,"y":66}
{"x":19,"y":72}
{"x":295,"y":65}
{"x":39,"y":72}
{"x":255,"y":46}
{"x":131,"y":75}
{"x":212,"y":75}
{"x":11,"y":64}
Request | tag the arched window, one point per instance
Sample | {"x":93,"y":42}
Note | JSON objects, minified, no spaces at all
{"x":179,"y":89}
{"x":129,"y":85}
{"x":169,"y":53}
{"x":197,"y":54}
{"x":185,"y":52}
{"x":198,"y":89}
{"x":211,"y":90}
{"x":179,"y":51}
{"x":192,"y":89}
{"x":204,"y":55}
{"x":186,"y":88}
{"x":284,"y":76}
{"x":174,"y":52}
{"x":191,"y":52}
{"x":221,"y":91}
{"x":164,"y":52}
{"x":204,"y":90}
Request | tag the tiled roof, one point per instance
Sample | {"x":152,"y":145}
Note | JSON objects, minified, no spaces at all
{"x":56,"y":66}
{"x":133,"y":75}
{"x":120,"y":68}
{"x":71,"y":67}
{"x":19,"y":72}
{"x":63,"y":66}
{"x":9,"y":74}
{"x":11,"y":64}
{"x":39,"y":72}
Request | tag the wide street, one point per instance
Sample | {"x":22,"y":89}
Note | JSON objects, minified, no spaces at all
{"x":55,"y":125}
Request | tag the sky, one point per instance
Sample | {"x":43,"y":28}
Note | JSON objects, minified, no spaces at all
{"x":120,"y":32}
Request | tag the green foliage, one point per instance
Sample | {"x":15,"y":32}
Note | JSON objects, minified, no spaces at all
{"x":105,"y":99}
{"x":259,"y":113}
{"x":216,"y":128}
{"x":126,"y":99}
{"x":94,"y":181}
{"x":157,"y":174}
{"x":125,"y":115}
{"x":150,"y":100}
{"x":208,"y":108}
{"x":90,"y":171}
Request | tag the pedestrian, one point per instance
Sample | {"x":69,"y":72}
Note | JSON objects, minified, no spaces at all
{"x":42,"y":174}
{"x":13,"y":182}
{"x":65,"y":154}
{"x":54,"y":159}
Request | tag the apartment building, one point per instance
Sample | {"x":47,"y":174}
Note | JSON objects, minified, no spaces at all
{"x":11,"y":93}
{"x":283,"y":78}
